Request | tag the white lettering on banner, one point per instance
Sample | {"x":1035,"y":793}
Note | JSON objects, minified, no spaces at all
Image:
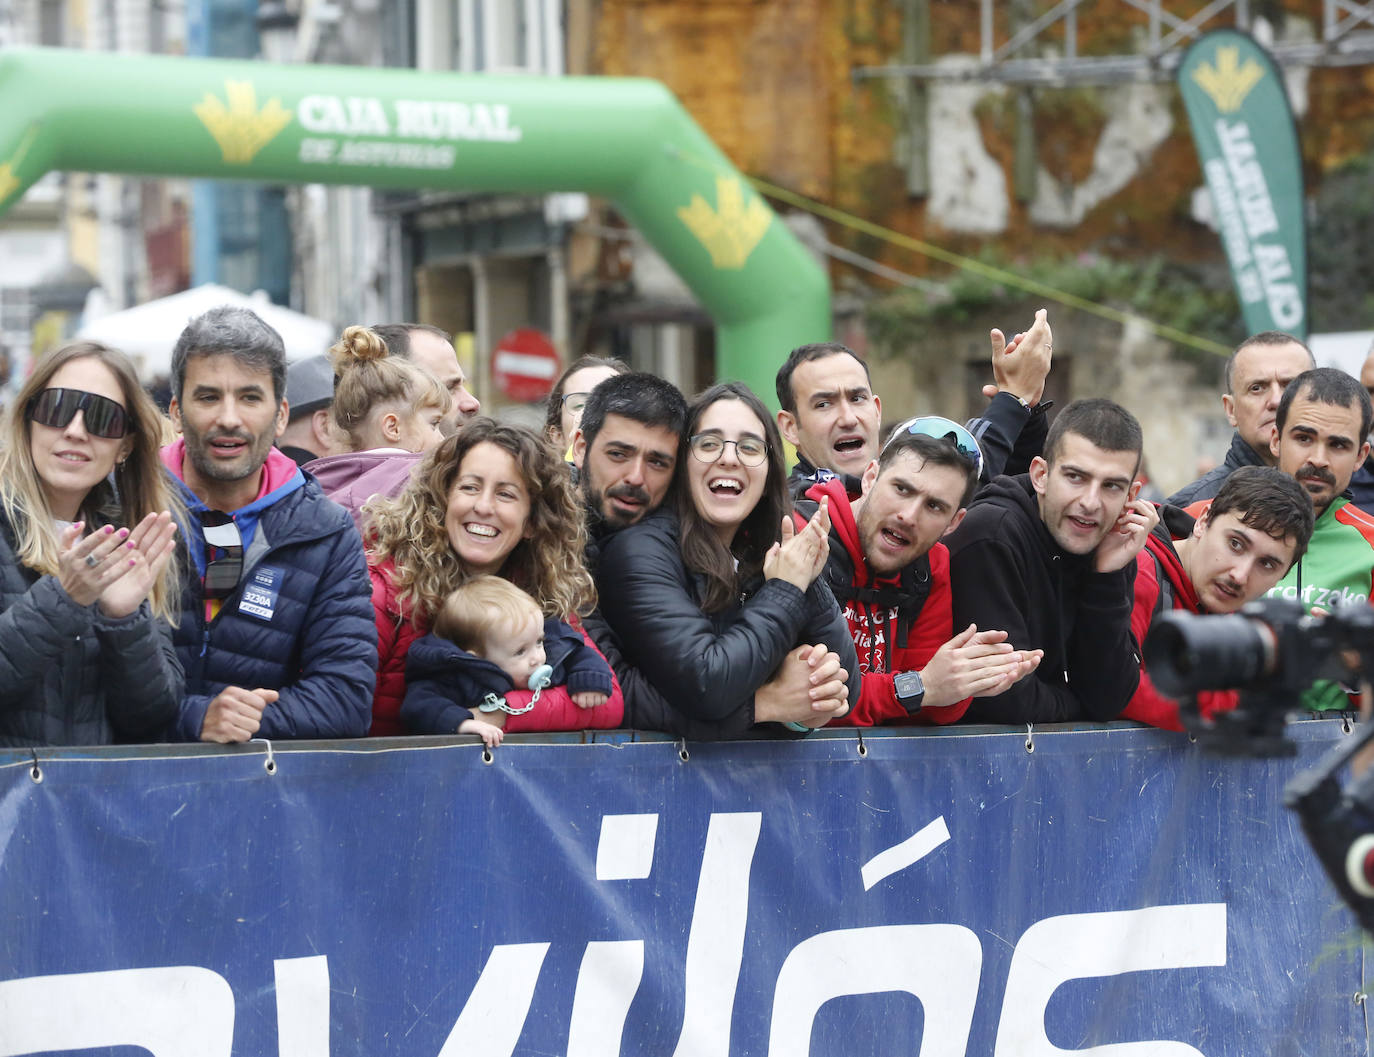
{"x":938,"y":964}
{"x":470,"y":121}
{"x":900,"y":856}
{"x":350,"y":116}
{"x":302,"y":1006}
{"x":188,"y":1011}
{"x":176,"y":1011}
{"x":495,"y":1012}
{"x":1245,"y":215}
{"x":1312,"y":595}
{"x":606,"y":985}
{"x":1083,"y":946}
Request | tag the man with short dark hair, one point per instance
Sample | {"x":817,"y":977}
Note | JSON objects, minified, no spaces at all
{"x":1049,"y":556}
{"x":277,"y":634}
{"x":625,"y":451}
{"x":309,"y":433}
{"x":1240,"y":547}
{"x":1257,"y":373}
{"x":890,"y":574}
{"x":432,"y":348}
{"x":831,"y":415}
{"x":627,"y":446}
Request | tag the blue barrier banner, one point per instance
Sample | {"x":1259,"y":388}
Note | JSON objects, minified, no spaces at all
{"x":1106,"y":891}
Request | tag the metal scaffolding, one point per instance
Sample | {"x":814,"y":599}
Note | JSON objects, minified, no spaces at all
{"x":1044,"y":50}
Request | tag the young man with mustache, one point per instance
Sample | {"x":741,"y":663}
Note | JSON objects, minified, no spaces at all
{"x":1240,"y":547}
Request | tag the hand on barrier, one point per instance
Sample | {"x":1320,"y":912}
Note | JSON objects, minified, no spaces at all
{"x":235,"y":714}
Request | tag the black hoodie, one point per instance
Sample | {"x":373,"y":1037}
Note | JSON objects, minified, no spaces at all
{"x":1008,"y":573}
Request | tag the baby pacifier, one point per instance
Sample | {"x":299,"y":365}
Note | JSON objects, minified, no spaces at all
{"x":541,"y":677}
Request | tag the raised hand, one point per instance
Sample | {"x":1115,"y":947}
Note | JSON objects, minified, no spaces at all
{"x":1021,"y":365}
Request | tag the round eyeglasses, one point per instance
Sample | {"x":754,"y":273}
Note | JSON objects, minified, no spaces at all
{"x":709,"y":447}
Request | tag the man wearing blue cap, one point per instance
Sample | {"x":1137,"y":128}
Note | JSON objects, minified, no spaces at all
{"x":890,"y":574}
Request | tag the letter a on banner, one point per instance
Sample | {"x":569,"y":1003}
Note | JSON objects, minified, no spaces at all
{"x":1247,"y":144}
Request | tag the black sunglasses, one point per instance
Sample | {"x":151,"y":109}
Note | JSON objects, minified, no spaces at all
{"x":57,"y":407}
{"x":222,"y":573}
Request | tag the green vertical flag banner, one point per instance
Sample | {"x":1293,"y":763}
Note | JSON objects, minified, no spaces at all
{"x":1248,"y":146}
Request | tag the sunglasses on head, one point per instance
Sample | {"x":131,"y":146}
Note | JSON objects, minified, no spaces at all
{"x":101,"y":415}
{"x":942,"y":429}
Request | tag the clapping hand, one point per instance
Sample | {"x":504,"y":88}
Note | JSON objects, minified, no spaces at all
{"x":1020,"y":366}
{"x":150,"y":547}
{"x":800,"y":556}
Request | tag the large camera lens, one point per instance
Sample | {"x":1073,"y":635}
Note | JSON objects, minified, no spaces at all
{"x":1185,"y":653}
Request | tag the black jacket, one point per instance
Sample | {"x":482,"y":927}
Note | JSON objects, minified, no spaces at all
{"x":706,"y":667}
{"x":1009,"y":434}
{"x":70,"y":676}
{"x":1209,"y":484}
{"x":445,"y":682}
{"x":1009,"y":574}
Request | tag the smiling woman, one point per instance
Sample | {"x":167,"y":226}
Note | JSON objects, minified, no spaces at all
{"x":492,"y":499}
{"x":86,"y":540}
{"x":709,"y":600}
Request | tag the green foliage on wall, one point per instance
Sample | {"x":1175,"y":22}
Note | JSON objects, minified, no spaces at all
{"x":1340,"y":249}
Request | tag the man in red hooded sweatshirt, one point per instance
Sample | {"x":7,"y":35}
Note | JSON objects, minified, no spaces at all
{"x":1239,"y":547}
{"x":890,"y":574}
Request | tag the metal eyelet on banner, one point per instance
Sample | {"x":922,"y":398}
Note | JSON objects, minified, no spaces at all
{"x":270,"y":764}
{"x":1030,"y":737}
{"x":863,"y":749}
{"x":682,"y":753}
{"x":1346,"y":725}
{"x":487,"y":755}
{"x":1360,"y":998}
{"x":36,"y":772}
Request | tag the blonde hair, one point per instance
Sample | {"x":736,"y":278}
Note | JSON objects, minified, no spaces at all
{"x":141,"y":485}
{"x":370,"y":379}
{"x":484,"y":604}
{"x":409,"y":530}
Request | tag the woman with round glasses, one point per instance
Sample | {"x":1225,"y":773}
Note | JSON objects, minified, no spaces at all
{"x":569,"y":397}
{"x":86,"y":540}
{"x":710,"y":597}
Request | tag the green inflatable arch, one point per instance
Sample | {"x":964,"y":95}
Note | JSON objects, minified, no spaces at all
{"x":628,"y":141}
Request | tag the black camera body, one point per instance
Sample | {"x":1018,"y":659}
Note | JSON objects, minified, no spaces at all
{"x":1272,"y":650}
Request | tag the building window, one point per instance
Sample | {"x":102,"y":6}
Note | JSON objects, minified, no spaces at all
{"x":498,"y":36}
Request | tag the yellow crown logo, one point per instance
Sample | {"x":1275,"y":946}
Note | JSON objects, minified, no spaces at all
{"x":8,"y":183}
{"x":1228,"y":82}
{"x":731,"y":231}
{"x":240,"y":129}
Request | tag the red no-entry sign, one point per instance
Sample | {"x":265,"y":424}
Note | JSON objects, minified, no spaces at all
{"x":525,"y":365}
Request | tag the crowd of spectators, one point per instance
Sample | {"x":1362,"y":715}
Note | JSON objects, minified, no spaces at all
{"x":346,"y":547}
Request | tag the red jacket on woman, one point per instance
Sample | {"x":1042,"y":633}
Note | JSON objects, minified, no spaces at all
{"x":554,"y":711}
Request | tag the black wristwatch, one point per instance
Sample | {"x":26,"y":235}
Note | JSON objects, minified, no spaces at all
{"x":910,"y":690}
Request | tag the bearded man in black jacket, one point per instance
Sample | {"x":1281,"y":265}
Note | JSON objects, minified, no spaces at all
{"x":1050,"y":557}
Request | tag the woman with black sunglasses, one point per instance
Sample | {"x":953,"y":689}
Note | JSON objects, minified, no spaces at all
{"x":86,"y":541}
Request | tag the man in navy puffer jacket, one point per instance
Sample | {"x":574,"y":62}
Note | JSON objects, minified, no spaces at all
{"x":276,"y":634}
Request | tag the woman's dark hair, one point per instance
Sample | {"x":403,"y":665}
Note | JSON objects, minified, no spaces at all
{"x":702,"y":550}
{"x":553,"y":416}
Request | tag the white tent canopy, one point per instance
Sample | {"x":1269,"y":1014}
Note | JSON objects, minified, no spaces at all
{"x":147,"y":332}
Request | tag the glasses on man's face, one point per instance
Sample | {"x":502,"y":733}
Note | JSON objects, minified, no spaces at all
{"x":573,"y":403}
{"x":946,"y":430}
{"x":222,"y":573}
{"x":101,"y":415}
{"x":709,"y":447}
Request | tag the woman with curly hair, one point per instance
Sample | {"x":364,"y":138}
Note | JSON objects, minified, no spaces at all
{"x":87,"y":585}
{"x":492,"y":499}
{"x":708,"y":599}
